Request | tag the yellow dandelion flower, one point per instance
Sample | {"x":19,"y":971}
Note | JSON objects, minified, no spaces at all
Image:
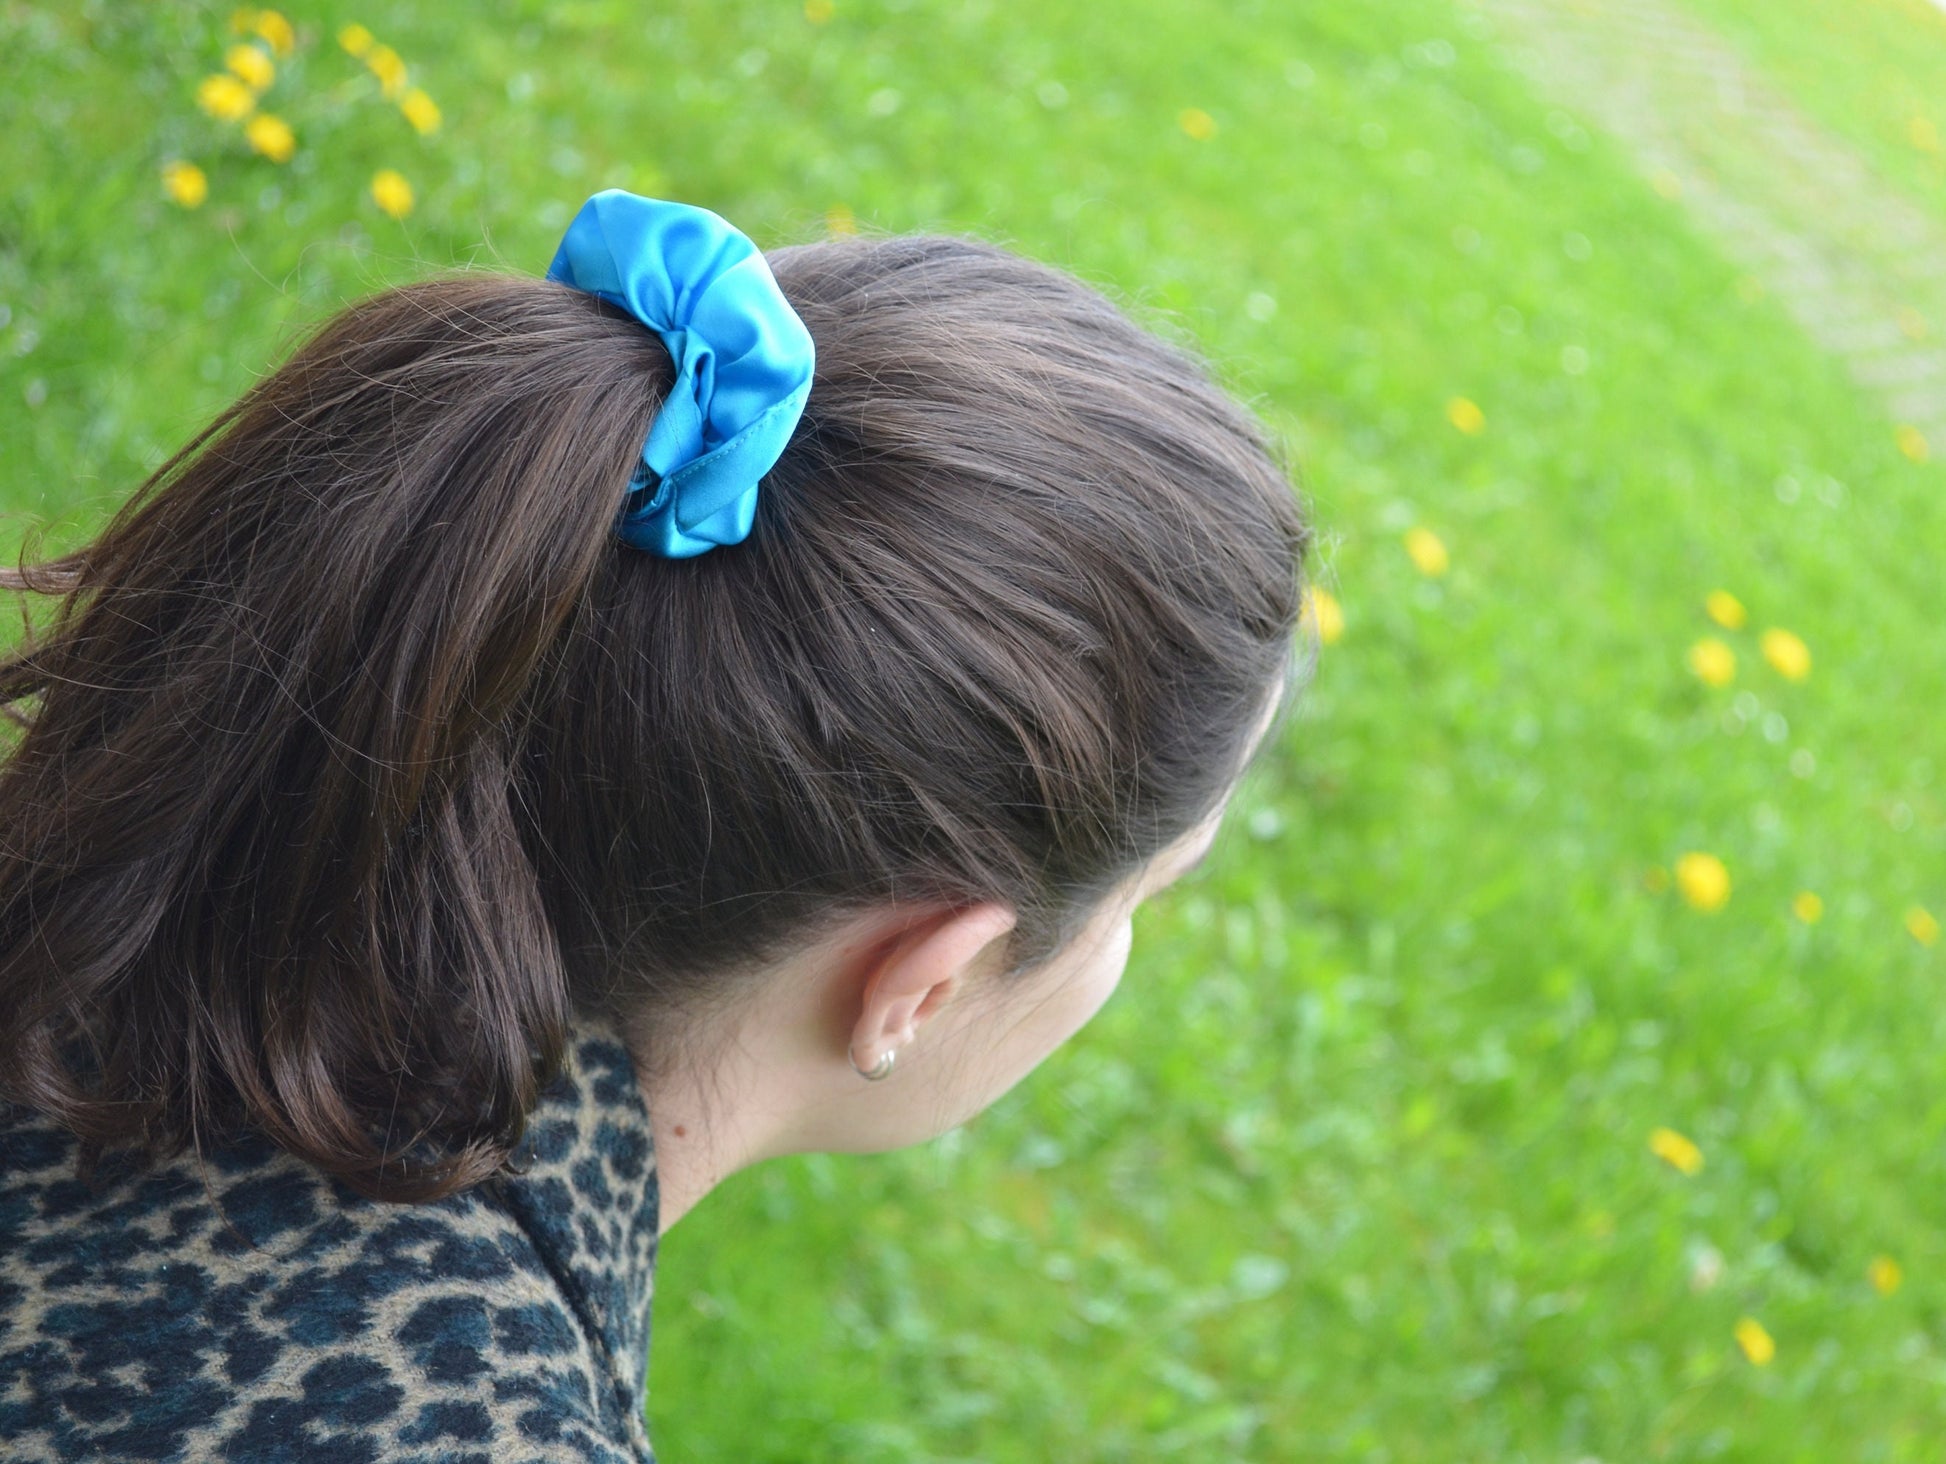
{"x":1755,"y":1341}
{"x":1703,"y":880}
{"x":1885,"y":1275}
{"x":1725,"y":609}
{"x":271,"y":136}
{"x":392,"y":193}
{"x":839,"y":220}
{"x":355,"y":39}
{"x":1197,"y":123}
{"x":1912,"y":442}
{"x":1676,"y":1150}
{"x":1327,"y":614}
{"x":1924,"y":135}
{"x":250,"y":66}
{"x":1788,"y":655}
{"x":1714,"y":663}
{"x":1666,"y":183}
{"x":225,"y":98}
{"x":818,"y":11}
{"x":1807,"y":907}
{"x":243,"y":19}
{"x":1922,"y":925}
{"x":276,"y":30}
{"x":1427,"y":552}
{"x":1466,"y":415}
{"x":185,"y":184}
{"x":384,"y":63}
{"x":421,"y":111}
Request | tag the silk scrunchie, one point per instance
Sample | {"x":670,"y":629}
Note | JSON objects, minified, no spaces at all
{"x":743,"y":362}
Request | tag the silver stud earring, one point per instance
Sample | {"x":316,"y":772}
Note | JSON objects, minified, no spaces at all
{"x":881,"y":1069}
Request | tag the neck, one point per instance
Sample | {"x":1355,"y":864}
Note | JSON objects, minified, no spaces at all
{"x":698,"y":1145}
{"x":775,"y":1080}
{"x":711,"y":1120}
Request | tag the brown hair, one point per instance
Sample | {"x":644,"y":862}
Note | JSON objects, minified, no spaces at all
{"x":358,"y":751}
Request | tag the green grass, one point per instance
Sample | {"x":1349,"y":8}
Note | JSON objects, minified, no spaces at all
{"x":1356,"y":1165}
{"x":1877,"y":88}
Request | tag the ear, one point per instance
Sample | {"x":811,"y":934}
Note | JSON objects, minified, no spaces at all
{"x":911,"y":974}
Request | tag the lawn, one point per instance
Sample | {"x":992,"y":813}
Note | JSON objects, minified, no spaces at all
{"x":1879,"y":88}
{"x":1361,"y":1162}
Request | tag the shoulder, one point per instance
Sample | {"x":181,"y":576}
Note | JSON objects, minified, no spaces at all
{"x":248,"y":1307}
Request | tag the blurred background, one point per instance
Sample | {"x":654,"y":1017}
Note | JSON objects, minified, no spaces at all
{"x":1547,"y":1066}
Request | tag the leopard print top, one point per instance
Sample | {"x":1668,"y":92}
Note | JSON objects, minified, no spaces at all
{"x":273,"y":1314}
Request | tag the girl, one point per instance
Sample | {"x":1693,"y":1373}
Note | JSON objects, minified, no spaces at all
{"x":447,"y":833}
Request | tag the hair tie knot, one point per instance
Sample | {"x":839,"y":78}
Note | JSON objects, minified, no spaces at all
{"x":743,"y":362}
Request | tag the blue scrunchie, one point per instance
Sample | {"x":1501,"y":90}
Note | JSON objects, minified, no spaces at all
{"x":743,"y":362}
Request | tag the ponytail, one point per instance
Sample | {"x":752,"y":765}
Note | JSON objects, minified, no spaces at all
{"x":261,"y":858}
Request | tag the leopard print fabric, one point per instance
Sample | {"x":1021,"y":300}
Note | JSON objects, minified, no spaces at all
{"x":293,"y":1319}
